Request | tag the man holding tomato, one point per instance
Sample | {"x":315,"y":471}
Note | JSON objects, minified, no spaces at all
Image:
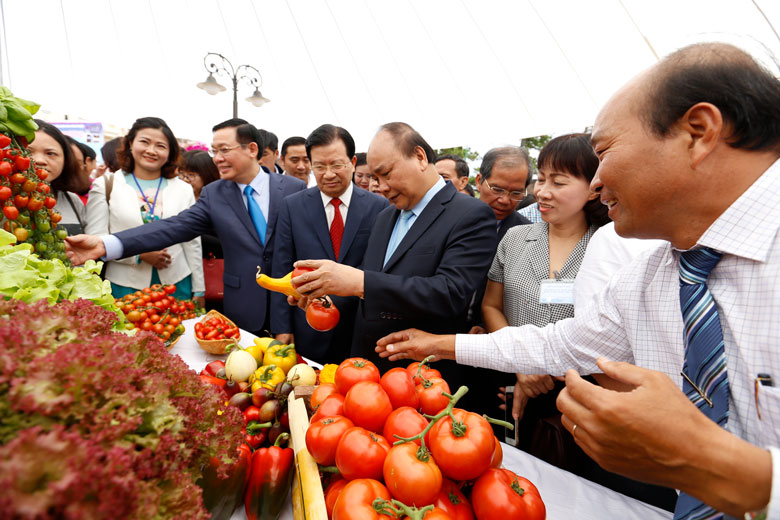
{"x":223,"y":210}
{"x":689,"y":153}
{"x":332,"y":220}
{"x":425,"y":257}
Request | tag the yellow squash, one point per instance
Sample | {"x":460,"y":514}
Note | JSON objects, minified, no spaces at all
{"x":282,"y":285}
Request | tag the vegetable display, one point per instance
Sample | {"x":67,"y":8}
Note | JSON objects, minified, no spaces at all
{"x":408,"y":452}
{"x":25,"y":196}
{"x":99,"y":424}
{"x":154,"y":309}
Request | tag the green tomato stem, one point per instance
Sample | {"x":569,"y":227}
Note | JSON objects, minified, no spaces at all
{"x":434,"y":419}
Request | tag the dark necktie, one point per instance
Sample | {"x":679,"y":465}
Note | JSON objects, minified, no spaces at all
{"x":705,"y":381}
{"x":255,"y":213}
{"x":336,"y":228}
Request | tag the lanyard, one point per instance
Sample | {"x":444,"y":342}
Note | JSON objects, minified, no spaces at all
{"x":149,"y":205}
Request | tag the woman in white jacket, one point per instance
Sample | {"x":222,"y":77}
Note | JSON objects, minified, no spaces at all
{"x":146,"y":189}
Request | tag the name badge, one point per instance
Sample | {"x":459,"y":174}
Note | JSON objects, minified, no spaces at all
{"x":559,"y":291}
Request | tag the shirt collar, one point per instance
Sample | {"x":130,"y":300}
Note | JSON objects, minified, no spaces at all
{"x":749,"y":226}
{"x":259,"y":183}
{"x":420,"y":206}
{"x":345,"y":197}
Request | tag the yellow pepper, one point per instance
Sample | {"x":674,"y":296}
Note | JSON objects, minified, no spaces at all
{"x":328,"y":373}
{"x":267,"y":377}
{"x":282,"y":356}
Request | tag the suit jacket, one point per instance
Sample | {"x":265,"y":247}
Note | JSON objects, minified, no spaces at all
{"x":123,"y":213}
{"x":221,"y":211}
{"x":475,"y":313}
{"x":429,"y":280}
{"x":302,"y":233}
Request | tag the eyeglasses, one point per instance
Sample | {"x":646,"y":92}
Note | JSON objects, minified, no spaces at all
{"x":224,"y":150}
{"x":335,"y":168}
{"x":513,"y":195}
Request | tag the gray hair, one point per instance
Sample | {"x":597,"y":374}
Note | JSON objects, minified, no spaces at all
{"x":506,"y":156}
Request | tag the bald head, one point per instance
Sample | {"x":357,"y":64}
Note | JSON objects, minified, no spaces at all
{"x":747,"y":95}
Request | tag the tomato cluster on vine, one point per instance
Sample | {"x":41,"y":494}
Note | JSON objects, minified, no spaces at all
{"x":27,"y":201}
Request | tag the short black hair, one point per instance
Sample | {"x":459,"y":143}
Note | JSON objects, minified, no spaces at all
{"x":362,"y":158}
{"x":407,"y":139}
{"x":200,"y":163}
{"x":70,"y":179}
{"x":509,"y":155}
{"x":270,"y":140}
{"x":573,"y":154}
{"x":461,"y":168}
{"x":87,"y":151}
{"x":245,"y":133}
{"x":326,"y":134}
{"x":747,"y":94}
{"x":126,"y":161}
{"x":295,"y":140}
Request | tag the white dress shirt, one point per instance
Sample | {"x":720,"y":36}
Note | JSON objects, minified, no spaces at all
{"x":330,"y":211}
{"x":637,"y":319}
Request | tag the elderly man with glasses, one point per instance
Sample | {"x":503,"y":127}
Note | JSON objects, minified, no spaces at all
{"x":241,"y":209}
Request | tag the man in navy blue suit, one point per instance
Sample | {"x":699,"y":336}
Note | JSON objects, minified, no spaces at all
{"x":425,"y":257}
{"x":330,"y":221}
{"x":223,"y":209}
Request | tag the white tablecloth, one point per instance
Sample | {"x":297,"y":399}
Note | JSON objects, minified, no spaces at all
{"x":565,"y":495}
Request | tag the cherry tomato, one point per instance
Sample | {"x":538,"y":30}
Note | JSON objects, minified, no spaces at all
{"x":320,"y":393}
{"x":5,"y":168}
{"x":146,"y":325}
{"x":353,"y":370}
{"x":5,"y":193}
{"x":355,"y":502}
{"x":55,"y":217}
{"x":43,"y":188}
{"x":21,"y":201}
{"x":404,"y":422}
{"x":29,"y":185}
{"x":158,"y":328}
{"x":133,"y":316}
{"x":323,"y":437}
{"x":21,"y":234}
{"x":400,"y":388}
{"x":4,"y":140}
{"x":466,"y":453}
{"x":431,"y":393}
{"x":411,"y":475}
{"x":22,"y":163}
{"x":367,"y":405}
{"x":322,"y":315}
{"x":10,"y":212}
{"x":500,"y":494}
{"x":35,"y":204}
{"x":452,"y":501}
{"x":170,"y":289}
{"x":361,"y":454}
{"x":42,"y":174}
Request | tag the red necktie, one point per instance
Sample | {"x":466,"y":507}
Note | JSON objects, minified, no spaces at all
{"x":336,"y":228}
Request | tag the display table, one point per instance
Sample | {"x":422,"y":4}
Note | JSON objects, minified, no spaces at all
{"x":565,"y":495}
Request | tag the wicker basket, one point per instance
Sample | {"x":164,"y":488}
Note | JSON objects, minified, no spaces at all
{"x":170,"y":345}
{"x":216,"y":346}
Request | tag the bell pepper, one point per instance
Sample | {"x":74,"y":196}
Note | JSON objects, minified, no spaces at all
{"x":267,"y":377}
{"x":222,"y":496}
{"x":270,"y":478}
{"x":282,"y":356}
{"x":212,"y":368}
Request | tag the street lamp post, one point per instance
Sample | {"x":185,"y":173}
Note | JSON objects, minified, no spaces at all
{"x":217,"y":63}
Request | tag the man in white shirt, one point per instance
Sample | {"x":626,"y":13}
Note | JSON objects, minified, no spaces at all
{"x":689,"y":154}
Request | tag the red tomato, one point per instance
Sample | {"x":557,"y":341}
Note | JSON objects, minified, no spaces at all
{"x":400,"y":388}
{"x":356,"y":499}
{"x":353,"y":370}
{"x":411,"y":476}
{"x":21,"y":200}
{"x":498,"y":454}
{"x":211,"y":380}
{"x":434,"y":514}
{"x":367,"y":405}
{"x":4,"y":140}
{"x":158,"y":328}
{"x":169,"y":289}
{"x":332,"y":494}
{"x":55,"y":217}
{"x":22,"y":163}
{"x":251,"y":413}
{"x":500,"y":494}
{"x":42,"y":174}
{"x":452,"y":501}
{"x":464,"y":456}
{"x":432,"y":400}
{"x":322,"y":315}
{"x":5,"y":193}
{"x":323,"y":437}
{"x":322,"y":392}
{"x":361,"y":454}
{"x":35,"y":204}
{"x":18,"y":178}
{"x":29,"y":185}
{"x":427,"y":372}
{"x":5,"y":168}
{"x":299,"y":271}
{"x":332,"y":405}
{"x":10,"y":212}
{"x":404,"y":422}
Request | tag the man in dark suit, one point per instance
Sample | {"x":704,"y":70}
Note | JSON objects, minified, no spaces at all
{"x":223,"y":209}
{"x":331,"y":221}
{"x":425,"y":257}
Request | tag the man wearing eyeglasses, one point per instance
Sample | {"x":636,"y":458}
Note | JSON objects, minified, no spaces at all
{"x":241,"y":209}
{"x":330,"y":221}
{"x":501,"y":182}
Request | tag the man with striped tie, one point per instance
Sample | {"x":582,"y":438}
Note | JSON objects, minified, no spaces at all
{"x":689,"y":154}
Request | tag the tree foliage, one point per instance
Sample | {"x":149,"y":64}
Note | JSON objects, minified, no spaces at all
{"x":460,"y":151}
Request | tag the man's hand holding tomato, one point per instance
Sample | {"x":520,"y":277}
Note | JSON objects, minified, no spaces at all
{"x":327,"y":277}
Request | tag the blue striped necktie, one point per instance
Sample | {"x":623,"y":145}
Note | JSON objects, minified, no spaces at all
{"x":705,"y":357}
{"x":255,"y":213}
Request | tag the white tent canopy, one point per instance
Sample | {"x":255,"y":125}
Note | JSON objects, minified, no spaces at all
{"x":475,"y":73}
